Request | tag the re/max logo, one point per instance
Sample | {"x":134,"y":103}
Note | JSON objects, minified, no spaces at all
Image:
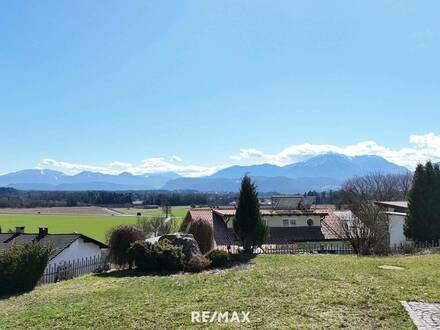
{"x":220,"y":317}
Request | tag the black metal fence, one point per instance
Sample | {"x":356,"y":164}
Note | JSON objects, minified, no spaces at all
{"x":306,"y":248}
{"x":332,"y":248}
{"x":71,"y":269}
{"x":296,"y":248}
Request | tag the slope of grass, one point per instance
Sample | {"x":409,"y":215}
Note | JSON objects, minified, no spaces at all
{"x":280,"y":292}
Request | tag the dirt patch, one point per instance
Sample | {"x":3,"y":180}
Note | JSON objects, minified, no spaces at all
{"x":389,"y":267}
{"x":233,"y":268}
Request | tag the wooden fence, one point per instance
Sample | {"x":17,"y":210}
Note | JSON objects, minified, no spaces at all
{"x":71,"y":269}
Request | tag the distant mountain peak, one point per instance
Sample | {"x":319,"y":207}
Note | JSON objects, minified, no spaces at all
{"x":325,"y":171}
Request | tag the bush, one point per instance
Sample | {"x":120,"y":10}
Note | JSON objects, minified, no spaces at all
{"x":219,"y":258}
{"x":169,"y":256}
{"x":21,"y":267}
{"x":120,"y":240}
{"x":162,"y":256}
{"x":243,"y":256}
{"x":197,"y":264}
{"x":156,"y":226}
{"x":144,"y":256}
{"x":202,"y":231}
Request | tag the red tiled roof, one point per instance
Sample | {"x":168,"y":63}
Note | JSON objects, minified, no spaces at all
{"x":202,"y":214}
{"x":222,"y":234}
{"x":331,"y":226}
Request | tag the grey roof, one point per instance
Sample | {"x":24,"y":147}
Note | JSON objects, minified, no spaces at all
{"x":397,"y":204}
{"x":58,"y":241}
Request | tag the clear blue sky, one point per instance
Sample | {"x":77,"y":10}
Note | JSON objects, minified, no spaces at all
{"x":93,"y":82}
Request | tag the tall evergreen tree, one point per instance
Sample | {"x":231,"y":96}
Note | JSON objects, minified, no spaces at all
{"x":423,"y":220}
{"x":248,"y":226}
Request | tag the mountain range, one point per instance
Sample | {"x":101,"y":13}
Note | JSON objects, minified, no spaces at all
{"x":318,"y":173}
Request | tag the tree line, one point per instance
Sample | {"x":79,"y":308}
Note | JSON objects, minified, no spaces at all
{"x":13,"y":198}
{"x":423,"y":219}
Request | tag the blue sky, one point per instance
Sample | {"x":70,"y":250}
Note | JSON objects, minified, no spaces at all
{"x":113,"y":86}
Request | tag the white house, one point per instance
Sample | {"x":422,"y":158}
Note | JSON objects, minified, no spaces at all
{"x":396,"y":211}
{"x":77,"y":252}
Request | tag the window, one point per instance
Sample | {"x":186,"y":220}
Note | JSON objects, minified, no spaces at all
{"x":264,"y":221}
{"x":285,"y":222}
{"x":292,"y":222}
{"x":310,"y":222}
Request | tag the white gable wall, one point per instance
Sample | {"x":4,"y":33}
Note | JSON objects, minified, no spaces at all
{"x":396,"y":223}
{"x":77,"y":250}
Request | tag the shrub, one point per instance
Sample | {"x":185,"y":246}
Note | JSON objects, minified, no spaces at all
{"x":21,"y":267}
{"x":197,"y":264}
{"x":120,"y":240}
{"x":169,"y":256}
{"x":155,"y":226}
{"x":219,"y":258}
{"x":243,"y":256}
{"x":203,"y":233}
{"x":408,"y":248}
{"x":144,"y":256}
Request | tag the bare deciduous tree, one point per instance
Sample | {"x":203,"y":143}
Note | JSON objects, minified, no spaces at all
{"x":166,"y":208}
{"x":367,"y":230}
{"x":156,"y":226}
{"x":376,"y":187}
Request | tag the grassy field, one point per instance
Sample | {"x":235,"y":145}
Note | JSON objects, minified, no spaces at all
{"x":93,"y":226}
{"x":280,"y":292}
{"x":178,"y":212}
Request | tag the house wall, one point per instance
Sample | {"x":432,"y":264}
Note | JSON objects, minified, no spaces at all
{"x":396,"y":223}
{"x":77,"y":250}
{"x":277,"y":220}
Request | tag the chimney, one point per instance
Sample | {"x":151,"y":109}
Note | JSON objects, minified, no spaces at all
{"x":19,"y":230}
{"x":43,"y":231}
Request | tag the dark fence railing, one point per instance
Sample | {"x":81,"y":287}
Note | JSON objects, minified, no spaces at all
{"x":332,"y":248}
{"x":71,"y":269}
{"x":306,"y":248}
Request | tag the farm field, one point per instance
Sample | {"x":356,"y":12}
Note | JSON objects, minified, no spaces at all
{"x":280,"y":292}
{"x":177,"y":211}
{"x":86,"y":210}
{"x":95,"y":226}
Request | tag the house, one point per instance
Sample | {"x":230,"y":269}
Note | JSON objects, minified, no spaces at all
{"x":68,"y":248}
{"x":291,"y":219}
{"x":396,"y":212}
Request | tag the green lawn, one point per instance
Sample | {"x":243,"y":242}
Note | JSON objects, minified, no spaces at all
{"x":93,"y":226}
{"x":281,"y":291}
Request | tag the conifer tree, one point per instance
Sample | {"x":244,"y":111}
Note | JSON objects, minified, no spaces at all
{"x":423,"y":220}
{"x":248,"y":226}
